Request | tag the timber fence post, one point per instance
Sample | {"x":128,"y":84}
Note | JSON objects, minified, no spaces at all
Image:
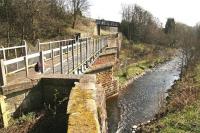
{"x":26,"y":58}
{"x":4,"y":57}
{"x":42,"y":61}
{"x":4,"y":112}
{"x":38,"y":44}
{"x":3,"y":81}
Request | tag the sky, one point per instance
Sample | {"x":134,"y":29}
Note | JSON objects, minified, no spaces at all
{"x":185,"y":11}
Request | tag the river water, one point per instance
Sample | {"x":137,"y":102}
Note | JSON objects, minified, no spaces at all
{"x":143,"y":98}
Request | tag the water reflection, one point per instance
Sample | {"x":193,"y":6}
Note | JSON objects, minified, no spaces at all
{"x":143,"y":98}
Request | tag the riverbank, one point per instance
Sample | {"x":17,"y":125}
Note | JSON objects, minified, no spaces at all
{"x":136,"y":59}
{"x":181,"y":113}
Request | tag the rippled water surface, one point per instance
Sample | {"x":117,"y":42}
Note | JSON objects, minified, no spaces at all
{"x":143,"y":98}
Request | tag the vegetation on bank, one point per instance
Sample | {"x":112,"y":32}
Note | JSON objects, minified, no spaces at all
{"x":135,"y":59}
{"x":35,"y":19}
{"x":181,"y":114}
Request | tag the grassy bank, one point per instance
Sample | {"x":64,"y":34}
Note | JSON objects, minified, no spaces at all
{"x":135,"y":59}
{"x":182,"y":112}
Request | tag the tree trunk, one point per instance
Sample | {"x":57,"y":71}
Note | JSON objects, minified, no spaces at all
{"x":74,"y":21}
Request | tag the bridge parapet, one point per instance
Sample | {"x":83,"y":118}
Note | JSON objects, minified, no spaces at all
{"x":86,"y":107}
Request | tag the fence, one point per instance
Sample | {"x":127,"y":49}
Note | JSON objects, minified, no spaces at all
{"x":64,"y":56}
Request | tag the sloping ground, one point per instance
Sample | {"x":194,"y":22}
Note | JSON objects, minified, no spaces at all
{"x":181,"y":115}
{"x":135,"y":59}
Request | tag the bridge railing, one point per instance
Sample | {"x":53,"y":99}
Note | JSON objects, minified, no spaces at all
{"x":70,"y":57}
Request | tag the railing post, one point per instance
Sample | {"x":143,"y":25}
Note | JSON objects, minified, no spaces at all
{"x":61,"y":58}
{"x":89,"y":53}
{"x":93,"y":48}
{"x":38,"y":44}
{"x":101,"y":42}
{"x":52,"y":52}
{"x":26,"y":65}
{"x":73,"y":62}
{"x":68,"y":59}
{"x":42,"y":61}
{"x":16,"y":57}
{"x":81,"y":58}
{"x":2,"y":74}
{"x":86,"y":52}
{"x":4,"y":57}
{"x":96,"y":48}
{"x":25,"y":58}
{"x":50,"y":49}
{"x":77,"y":42}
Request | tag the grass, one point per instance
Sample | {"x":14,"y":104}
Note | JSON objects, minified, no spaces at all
{"x":136,"y":58}
{"x":184,"y":121}
{"x":30,"y":117}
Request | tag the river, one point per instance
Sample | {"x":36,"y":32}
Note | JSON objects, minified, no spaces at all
{"x":143,"y":98}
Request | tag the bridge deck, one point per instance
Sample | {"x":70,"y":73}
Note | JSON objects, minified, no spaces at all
{"x":20,"y":77}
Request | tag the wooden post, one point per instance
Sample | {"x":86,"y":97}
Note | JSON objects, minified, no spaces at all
{"x":26,"y":65}
{"x":38,"y":44}
{"x":25,"y":58}
{"x":42,"y":61}
{"x":25,"y":48}
{"x":50,"y":49}
{"x":3,"y":81}
{"x":4,"y":57}
{"x":4,"y":53}
{"x":4,"y":113}
{"x":52,"y":59}
{"x":16,"y":57}
{"x":61,"y":58}
{"x":118,"y":48}
{"x":98,"y":30}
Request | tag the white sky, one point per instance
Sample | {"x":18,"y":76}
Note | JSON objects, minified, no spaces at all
{"x":185,"y":11}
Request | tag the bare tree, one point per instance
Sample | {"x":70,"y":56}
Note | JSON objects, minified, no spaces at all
{"x":77,"y":8}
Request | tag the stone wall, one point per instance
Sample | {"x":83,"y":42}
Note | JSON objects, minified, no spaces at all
{"x":103,"y":68}
{"x":24,"y":101}
{"x":57,"y":87}
{"x":87,"y":107}
{"x":33,"y":95}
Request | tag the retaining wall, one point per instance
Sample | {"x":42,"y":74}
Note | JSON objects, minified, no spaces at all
{"x":87,"y":107}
